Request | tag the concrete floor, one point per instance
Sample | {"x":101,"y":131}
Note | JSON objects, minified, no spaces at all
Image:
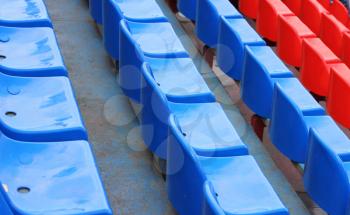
{"x":132,"y":186}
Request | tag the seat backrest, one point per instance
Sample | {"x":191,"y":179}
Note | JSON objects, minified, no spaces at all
{"x":346,"y":49}
{"x":261,"y":65}
{"x":294,"y":5}
{"x":288,"y":129}
{"x":332,"y":32}
{"x":111,"y":19}
{"x":183,"y":165}
{"x":154,"y":114}
{"x":130,"y":52}
{"x":130,"y":61}
{"x":338,"y":10}
{"x":338,"y":104}
{"x":311,"y":14}
{"x":208,"y":19}
{"x":249,"y":8}
{"x":188,"y":8}
{"x":325,"y":178}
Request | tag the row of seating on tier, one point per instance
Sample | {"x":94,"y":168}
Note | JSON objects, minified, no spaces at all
{"x":46,"y":163}
{"x":209,"y":169}
{"x":299,"y":126}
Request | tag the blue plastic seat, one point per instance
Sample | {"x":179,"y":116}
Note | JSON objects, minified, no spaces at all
{"x":216,"y":185}
{"x":198,"y":117}
{"x":209,"y":13}
{"x":188,"y":8}
{"x":30,"y":52}
{"x":179,"y":79}
{"x":294,"y":112}
{"x":262,"y":69}
{"x":4,"y":207}
{"x":142,"y":41}
{"x":24,"y":13}
{"x":39,"y":109}
{"x":95,"y":7}
{"x":144,"y":11}
{"x":235,"y":35}
{"x":327,"y":170}
{"x":51,"y":178}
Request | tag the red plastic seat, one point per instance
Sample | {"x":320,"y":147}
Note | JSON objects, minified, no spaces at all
{"x":332,"y":32}
{"x":294,"y":6}
{"x":338,"y":10}
{"x":325,"y":3}
{"x":291,"y":32}
{"x":346,"y":49}
{"x":317,"y":59}
{"x":338,"y":99}
{"x":249,"y":8}
{"x":268,"y":12}
{"x":311,"y":13}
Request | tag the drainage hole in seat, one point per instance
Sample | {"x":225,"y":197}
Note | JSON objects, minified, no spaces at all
{"x":184,"y":134}
{"x":10,"y":114}
{"x":23,"y":190}
{"x":2,"y":57}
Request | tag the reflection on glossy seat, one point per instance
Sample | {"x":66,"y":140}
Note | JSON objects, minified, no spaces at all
{"x":30,"y":52}
{"x":24,"y":13}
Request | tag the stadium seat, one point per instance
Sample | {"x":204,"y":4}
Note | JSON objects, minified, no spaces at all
{"x":294,"y":111}
{"x":338,"y":103}
{"x":294,"y":6}
{"x":188,"y":8}
{"x":346,"y":49}
{"x":30,"y":52}
{"x":338,"y":10}
{"x":197,"y":119}
{"x":249,"y":8}
{"x":235,"y":35}
{"x":315,"y":69}
{"x":95,"y":7}
{"x":325,"y":3}
{"x":139,"y":40}
{"x":262,"y":69}
{"x":327,"y":170}
{"x":39,"y":109}
{"x":4,"y":206}
{"x":51,"y":178}
{"x":24,"y":13}
{"x":332,"y":32}
{"x":208,"y":19}
{"x":144,"y":11}
{"x":267,"y":20}
{"x":291,"y":33}
{"x":311,"y":14}
{"x":216,"y":185}
{"x":179,"y":79}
